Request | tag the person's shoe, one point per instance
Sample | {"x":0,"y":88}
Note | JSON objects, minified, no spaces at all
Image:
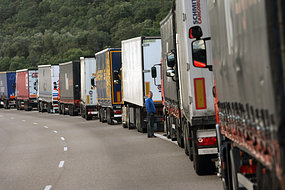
{"x":153,"y":136}
{"x":149,"y":137}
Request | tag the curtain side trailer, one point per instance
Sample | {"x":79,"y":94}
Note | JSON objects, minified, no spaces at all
{"x":7,"y":89}
{"x":249,"y":73}
{"x":108,"y":85}
{"x":69,"y":84}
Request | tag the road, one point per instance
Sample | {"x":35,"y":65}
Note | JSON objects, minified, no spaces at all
{"x":45,"y":151}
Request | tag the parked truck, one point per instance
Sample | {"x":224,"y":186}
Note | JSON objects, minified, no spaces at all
{"x":48,"y":83}
{"x":249,"y":71}
{"x":189,"y":107}
{"x":69,"y":84}
{"x":139,"y":55}
{"x":88,"y":103}
{"x":108,"y":84}
{"x":7,"y":89}
{"x":26,"y":89}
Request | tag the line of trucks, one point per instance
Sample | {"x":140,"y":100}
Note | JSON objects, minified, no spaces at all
{"x":217,"y":75}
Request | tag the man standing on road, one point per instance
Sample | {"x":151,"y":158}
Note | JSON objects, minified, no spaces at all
{"x":150,"y":109}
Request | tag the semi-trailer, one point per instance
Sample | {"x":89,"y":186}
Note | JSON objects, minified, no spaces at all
{"x":189,"y":114}
{"x":249,"y":70}
{"x":7,"y":89}
{"x":108,"y":85}
{"x":69,"y":84}
{"x":88,"y":103}
{"x":48,"y":83}
{"x":26,"y":89}
{"x":139,"y":56}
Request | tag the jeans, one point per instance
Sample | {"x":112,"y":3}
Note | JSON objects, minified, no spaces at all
{"x":150,"y":124}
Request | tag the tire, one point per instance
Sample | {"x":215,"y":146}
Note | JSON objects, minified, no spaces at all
{"x":17,"y":105}
{"x":168,"y":134}
{"x":179,"y":134}
{"x":64,"y":110}
{"x":100,"y":116}
{"x":203,"y":164}
{"x":6,"y":104}
{"x":71,"y":110}
{"x":172,"y":131}
{"x":49,"y":107}
{"x":59,"y":109}
{"x":185,"y":136}
{"x":109,"y":119}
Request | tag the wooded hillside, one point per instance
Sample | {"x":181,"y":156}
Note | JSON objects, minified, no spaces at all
{"x":36,"y":32}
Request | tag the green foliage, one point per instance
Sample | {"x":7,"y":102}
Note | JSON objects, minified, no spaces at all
{"x":36,"y":32}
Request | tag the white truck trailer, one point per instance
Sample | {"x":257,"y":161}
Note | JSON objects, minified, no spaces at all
{"x":195,"y":126}
{"x":139,"y":55}
{"x":48,"y":84}
{"x":88,"y":103}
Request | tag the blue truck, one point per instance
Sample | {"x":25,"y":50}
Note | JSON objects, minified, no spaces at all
{"x":108,"y":84}
{"x":7,"y":89}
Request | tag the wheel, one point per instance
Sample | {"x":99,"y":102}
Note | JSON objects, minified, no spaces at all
{"x":82,"y":111}
{"x":168,"y":128}
{"x":49,"y":107}
{"x":109,"y":119}
{"x":59,"y":109}
{"x":100,"y":115}
{"x":6,"y":104}
{"x":172,"y":131}
{"x":179,"y":134}
{"x":71,"y":110}
{"x":203,"y":165}
{"x":185,"y":136}
{"x":64,"y":110}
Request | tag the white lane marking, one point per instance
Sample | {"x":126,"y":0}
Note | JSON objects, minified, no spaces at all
{"x":62,"y":138}
{"x":65,"y":149}
{"x":48,"y":187}
{"x":46,"y":127}
{"x":24,"y":120}
{"x":35,"y":123}
{"x":12,"y":118}
{"x":61,"y":163}
{"x":55,"y":131}
{"x":165,"y":138}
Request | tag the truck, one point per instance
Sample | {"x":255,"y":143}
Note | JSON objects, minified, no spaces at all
{"x":7,"y":89}
{"x":139,"y":55}
{"x":48,"y":83}
{"x":189,"y":103}
{"x":88,"y":103}
{"x":69,"y":88}
{"x":108,"y":85}
{"x":249,"y":72}
{"x":26,"y":89}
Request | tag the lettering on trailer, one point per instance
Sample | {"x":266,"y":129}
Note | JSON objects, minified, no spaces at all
{"x":196,"y":10}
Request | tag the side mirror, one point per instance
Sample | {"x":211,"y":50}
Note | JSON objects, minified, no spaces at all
{"x":170,"y":73}
{"x":199,"y":54}
{"x":93,"y":82}
{"x":153,"y":72}
{"x":171,"y":59}
{"x":195,"y":32}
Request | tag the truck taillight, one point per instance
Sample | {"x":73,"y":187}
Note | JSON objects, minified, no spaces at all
{"x":248,"y":169}
{"x":207,"y":141}
{"x":117,"y":112}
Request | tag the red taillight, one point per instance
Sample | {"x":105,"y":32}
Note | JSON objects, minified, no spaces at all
{"x":207,"y":141}
{"x":117,"y":112}
{"x":246,"y":169}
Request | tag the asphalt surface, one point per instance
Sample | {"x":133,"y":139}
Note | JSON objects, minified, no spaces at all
{"x":51,"y":151}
